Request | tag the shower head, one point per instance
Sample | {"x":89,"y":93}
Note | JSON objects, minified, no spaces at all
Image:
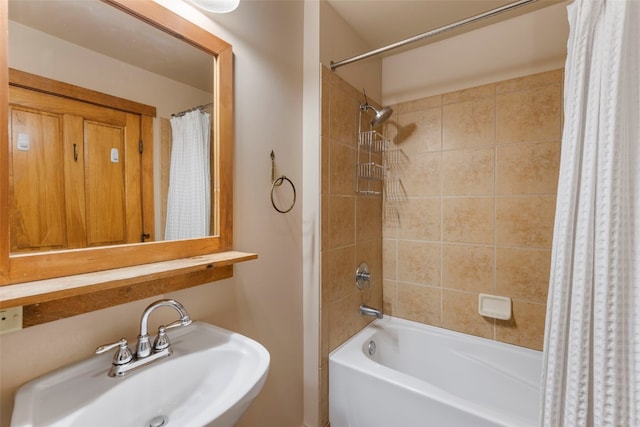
{"x":380,"y":115}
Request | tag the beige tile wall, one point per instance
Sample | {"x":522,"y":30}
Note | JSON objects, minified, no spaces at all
{"x":479,"y":170}
{"x":351,"y":227}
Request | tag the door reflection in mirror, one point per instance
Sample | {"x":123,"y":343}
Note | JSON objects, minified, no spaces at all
{"x":75,"y":169}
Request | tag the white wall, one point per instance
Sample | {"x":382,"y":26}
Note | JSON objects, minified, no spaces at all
{"x":527,"y":44}
{"x":311,"y":234}
{"x":339,"y":41}
{"x":327,"y":37}
{"x":264,"y":299}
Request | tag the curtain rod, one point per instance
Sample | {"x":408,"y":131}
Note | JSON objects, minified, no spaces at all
{"x":199,"y":107}
{"x":430,"y":33}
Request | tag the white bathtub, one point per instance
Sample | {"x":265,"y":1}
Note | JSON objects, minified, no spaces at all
{"x":423,"y":376}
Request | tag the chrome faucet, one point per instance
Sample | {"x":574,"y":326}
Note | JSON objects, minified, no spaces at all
{"x":370,"y":311}
{"x":124,"y":360}
{"x":143,"y":349}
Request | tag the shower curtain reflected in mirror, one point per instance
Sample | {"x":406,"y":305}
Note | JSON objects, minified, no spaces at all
{"x":189,"y":198}
{"x":591,"y":374}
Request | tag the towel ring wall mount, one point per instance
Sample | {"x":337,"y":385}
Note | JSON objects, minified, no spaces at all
{"x":277,"y":182}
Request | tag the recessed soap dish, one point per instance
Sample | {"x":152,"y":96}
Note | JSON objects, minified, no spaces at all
{"x":494,"y":306}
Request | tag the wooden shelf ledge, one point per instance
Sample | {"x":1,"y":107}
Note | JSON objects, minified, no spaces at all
{"x":62,"y":287}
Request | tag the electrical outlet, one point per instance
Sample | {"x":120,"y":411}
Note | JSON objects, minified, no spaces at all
{"x":10,"y":319}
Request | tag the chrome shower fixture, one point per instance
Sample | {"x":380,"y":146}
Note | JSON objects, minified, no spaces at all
{"x":380,"y":115}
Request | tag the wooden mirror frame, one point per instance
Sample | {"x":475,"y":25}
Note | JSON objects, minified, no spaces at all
{"x":20,"y":268}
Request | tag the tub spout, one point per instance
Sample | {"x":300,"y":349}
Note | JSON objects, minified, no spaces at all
{"x":370,"y":311}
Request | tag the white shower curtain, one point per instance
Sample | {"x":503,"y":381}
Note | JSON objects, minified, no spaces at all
{"x":189,"y":199}
{"x":591,"y":372}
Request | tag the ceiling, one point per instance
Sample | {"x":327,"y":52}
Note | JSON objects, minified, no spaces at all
{"x":93,"y":24}
{"x":383,"y":22}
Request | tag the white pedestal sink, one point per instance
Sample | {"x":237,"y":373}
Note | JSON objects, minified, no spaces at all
{"x":210,"y":379}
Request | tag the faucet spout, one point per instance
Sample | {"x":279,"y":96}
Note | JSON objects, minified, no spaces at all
{"x":143,"y":348}
{"x":370,"y":311}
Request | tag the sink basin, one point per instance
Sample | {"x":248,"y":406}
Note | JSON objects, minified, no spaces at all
{"x":210,"y":379}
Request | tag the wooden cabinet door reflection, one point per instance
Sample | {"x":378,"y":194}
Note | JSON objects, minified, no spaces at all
{"x":74,"y":175}
{"x":37,"y":215}
{"x":104,"y":183}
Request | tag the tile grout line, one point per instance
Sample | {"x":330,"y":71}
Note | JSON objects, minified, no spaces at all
{"x":495,"y":191}
{"x":441,"y":179}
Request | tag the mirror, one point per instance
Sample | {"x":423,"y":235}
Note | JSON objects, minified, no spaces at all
{"x":143,"y":65}
{"x":95,"y":33}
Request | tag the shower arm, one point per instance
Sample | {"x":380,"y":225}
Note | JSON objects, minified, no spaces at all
{"x":431,"y":33}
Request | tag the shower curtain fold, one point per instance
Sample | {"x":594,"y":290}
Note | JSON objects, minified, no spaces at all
{"x":189,"y":198}
{"x":591,"y":372}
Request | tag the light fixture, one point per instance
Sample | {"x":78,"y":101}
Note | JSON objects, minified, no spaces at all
{"x":217,"y":6}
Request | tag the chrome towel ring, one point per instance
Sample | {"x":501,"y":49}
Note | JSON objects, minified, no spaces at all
{"x":277,"y":183}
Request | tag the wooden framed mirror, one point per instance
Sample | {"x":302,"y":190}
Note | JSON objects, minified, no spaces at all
{"x":18,"y":268}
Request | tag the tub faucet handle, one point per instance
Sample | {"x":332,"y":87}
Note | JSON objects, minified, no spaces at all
{"x":363,"y":277}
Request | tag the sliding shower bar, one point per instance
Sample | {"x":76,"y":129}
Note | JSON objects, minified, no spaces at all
{"x":431,"y":33}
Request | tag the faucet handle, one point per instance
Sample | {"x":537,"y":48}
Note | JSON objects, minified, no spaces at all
{"x":186,"y":321}
{"x":122,"y":356}
{"x":162,"y":340}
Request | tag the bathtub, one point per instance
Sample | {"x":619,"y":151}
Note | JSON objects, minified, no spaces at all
{"x":419,"y":376}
